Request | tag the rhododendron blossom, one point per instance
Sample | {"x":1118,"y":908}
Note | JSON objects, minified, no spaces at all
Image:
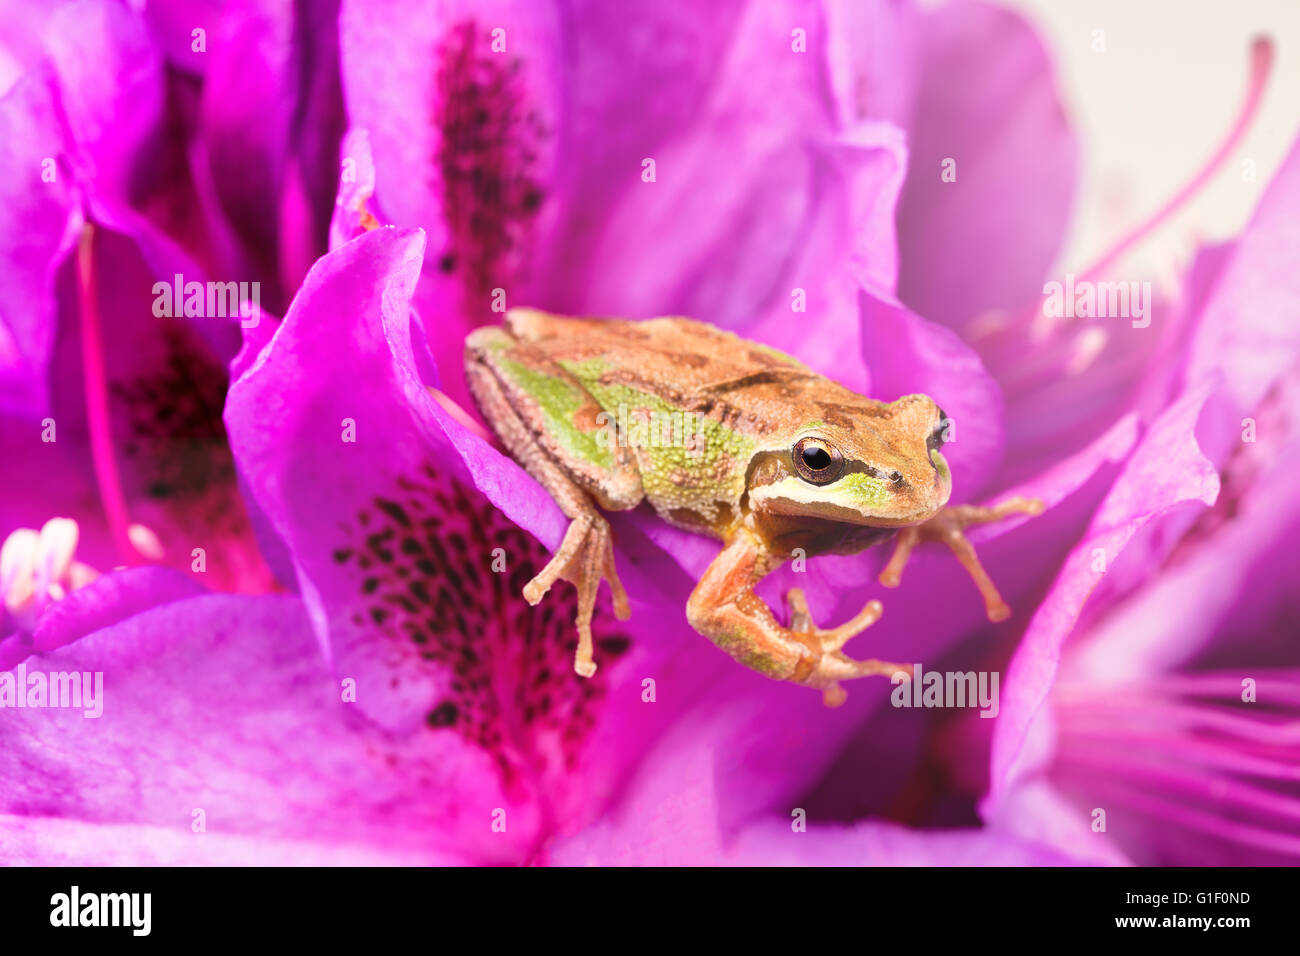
{"x":297,"y":552}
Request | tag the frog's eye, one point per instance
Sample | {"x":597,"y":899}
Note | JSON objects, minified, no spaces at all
{"x":935,"y":441}
{"x":817,"y":461}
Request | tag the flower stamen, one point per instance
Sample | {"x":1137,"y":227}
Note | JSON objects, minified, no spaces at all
{"x":97,"y":412}
{"x":1191,"y":752}
{"x":38,"y":568}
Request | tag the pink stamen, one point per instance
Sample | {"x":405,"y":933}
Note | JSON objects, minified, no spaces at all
{"x":1188,"y":783}
{"x":1284,"y":690}
{"x":1187,"y":717}
{"x":96,"y":387}
{"x":1261,"y":62}
{"x":1188,"y":745}
{"x":1210,"y":824}
{"x":1204,"y":753}
{"x":1042,"y":365}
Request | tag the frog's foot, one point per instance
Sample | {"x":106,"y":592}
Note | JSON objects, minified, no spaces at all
{"x":831,"y":664}
{"x":586,"y":556}
{"x":949,"y":527}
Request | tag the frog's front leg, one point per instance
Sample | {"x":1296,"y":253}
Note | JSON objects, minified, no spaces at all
{"x":528,"y":430}
{"x":724,"y":608}
{"x":949,"y":527}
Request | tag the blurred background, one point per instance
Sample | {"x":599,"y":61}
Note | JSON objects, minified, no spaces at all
{"x":1153,"y":106}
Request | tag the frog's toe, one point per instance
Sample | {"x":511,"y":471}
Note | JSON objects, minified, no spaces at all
{"x":949,"y":527}
{"x":585,"y":557}
{"x":619,"y":596}
{"x":536,"y":589}
{"x":837,"y":666}
{"x":835,"y":638}
{"x":800,"y":617}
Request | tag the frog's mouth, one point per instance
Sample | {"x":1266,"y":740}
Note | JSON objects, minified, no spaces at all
{"x":861,"y":496}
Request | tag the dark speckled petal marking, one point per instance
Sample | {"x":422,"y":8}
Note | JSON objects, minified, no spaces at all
{"x":485,"y":162}
{"x":422,"y":557}
{"x":177,"y":455}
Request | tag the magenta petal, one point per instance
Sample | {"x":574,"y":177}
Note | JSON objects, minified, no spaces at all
{"x":58,"y":841}
{"x":987,"y":101}
{"x":1248,"y":333}
{"x":848,"y":242}
{"x":412,"y":555}
{"x":873,"y":58}
{"x":39,"y":225}
{"x":70,"y":129}
{"x":1166,"y":470}
{"x":356,"y":188}
{"x":729,"y":114}
{"x":174,"y":23}
{"x":1033,"y":810}
{"x":272,"y":116}
{"x":752,"y":170}
{"x":342,"y":328}
{"x":218,"y":704}
{"x":1232,"y":576}
{"x":105,"y":601}
{"x":403,"y":66}
{"x":672,"y":820}
{"x":889,"y":844}
{"x":321,"y":347}
{"x":110,"y":75}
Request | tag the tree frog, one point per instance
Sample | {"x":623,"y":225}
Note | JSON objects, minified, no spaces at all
{"x":728,"y":438}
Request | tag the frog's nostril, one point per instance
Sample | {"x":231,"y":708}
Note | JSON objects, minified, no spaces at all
{"x":895,"y":476}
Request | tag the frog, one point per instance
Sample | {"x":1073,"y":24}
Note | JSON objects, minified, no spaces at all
{"x":754,"y":449}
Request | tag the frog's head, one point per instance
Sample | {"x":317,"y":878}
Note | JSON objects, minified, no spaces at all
{"x":885,"y":471}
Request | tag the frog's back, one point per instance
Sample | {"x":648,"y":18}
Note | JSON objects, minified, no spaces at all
{"x":691,"y":365}
{"x":740,"y":395}
{"x":694,"y":354}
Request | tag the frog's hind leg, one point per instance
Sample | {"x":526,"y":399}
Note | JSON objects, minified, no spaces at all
{"x":586,"y":555}
{"x":949,"y":527}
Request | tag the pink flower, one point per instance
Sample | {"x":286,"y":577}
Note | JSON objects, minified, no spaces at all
{"x":120,"y":137}
{"x":405,"y":704}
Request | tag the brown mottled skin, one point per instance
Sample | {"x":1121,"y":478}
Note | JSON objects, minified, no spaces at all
{"x":751,"y":480}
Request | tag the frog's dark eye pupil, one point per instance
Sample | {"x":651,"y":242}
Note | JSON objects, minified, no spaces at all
{"x":817,"y":461}
{"x":939,"y":436}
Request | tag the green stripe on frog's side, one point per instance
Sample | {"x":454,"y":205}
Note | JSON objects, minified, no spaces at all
{"x":941,"y":464}
{"x":865,"y":492}
{"x":676,"y":477}
{"x":559,"y":401}
{"x":855,"y":492}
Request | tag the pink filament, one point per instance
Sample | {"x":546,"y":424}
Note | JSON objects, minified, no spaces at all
{"x":1043,"y":364}
{"x":96,"y":388}
{"x":1145,"y":743}
{"x":1261,"y":62}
